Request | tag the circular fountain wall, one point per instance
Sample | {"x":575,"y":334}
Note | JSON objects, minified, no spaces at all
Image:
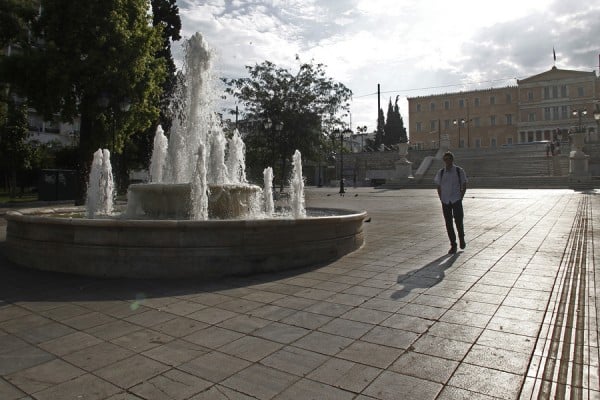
{"x":178,"y":248}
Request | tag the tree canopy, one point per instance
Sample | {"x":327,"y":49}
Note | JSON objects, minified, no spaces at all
{"x":92,"y":59}
{"x":302,"y":107}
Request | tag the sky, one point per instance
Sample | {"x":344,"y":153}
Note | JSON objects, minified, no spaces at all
{"x":409,"y":47}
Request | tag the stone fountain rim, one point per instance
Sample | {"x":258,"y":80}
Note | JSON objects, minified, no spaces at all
{"x":44,"y":215}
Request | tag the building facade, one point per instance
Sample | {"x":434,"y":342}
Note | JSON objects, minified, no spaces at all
{"x":547,"y":106}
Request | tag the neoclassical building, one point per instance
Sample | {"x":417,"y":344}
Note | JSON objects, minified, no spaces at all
{"x":546,"y":106}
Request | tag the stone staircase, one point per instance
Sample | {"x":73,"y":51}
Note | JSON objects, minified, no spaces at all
{"x":514,"y":167}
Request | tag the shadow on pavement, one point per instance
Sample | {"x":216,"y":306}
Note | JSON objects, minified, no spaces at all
{"x":425,"y":277}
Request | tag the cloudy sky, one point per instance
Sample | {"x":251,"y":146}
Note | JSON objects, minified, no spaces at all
{"x":409,"y":47}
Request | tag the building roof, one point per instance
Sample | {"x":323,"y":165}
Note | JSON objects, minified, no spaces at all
{"x":557,"y":74}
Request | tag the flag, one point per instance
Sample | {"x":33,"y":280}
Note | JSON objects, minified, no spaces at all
{"x":554,"y":54}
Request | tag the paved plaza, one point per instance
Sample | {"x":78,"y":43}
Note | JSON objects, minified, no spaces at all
{"x":513,"y":316}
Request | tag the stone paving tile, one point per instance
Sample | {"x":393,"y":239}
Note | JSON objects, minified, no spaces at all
{"x":44,"y":333}
{"x":9,"y":392}
{"x":97,"y":356}
{"x":441,"y":347}
{"x":504,"y":360}
{"x":391,"y":386}
{"x":345,"y":374}
{"x":44,"y":376}
{"x":131,"y":371}
{"x":425,"y":367}
{"x":408,"y":323}
{"x":142,"y":340}
{"x":83,"y":387}
{"x":250,"y":348}
{"x":281,"y":333}
{"x":244,"y":323}
{"x":390,"y":337}
{"x":306,"y":320}
{"x":487,"y":381}
{"x":179,"y":326}
{"x":173,"y":384}
{"x":371,"y":354}
{"x":175,"y":352}
{"x":346,"y":328}
{"x":507,"y":341}
{"x":150,"y":318}
{"x":463,"y":333}
{"x":323,"y":343}
{"x":214,"y":366}
{"x":307,"y":389}
{"x":213,"y":337}
{"x":294,"y":360}
{"x":329,"y":309}
{"x":260,"y":381}
{"x":69,"y":343}
{"x":113,"y":329}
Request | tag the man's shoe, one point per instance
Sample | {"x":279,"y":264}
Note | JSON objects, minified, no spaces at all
{"x":462,"y":244}
{"x":452,"y":250}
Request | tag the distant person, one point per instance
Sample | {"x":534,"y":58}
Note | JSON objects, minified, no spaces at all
{"x":451,"y":184}
{"x":552,"y":147}
{"x":547,"y":150}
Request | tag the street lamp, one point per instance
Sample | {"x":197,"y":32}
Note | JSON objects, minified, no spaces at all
{"x":459,"y":123}
{"x":597,"y":118}
{"x":342,"y":134}
{"x":579,"y":114}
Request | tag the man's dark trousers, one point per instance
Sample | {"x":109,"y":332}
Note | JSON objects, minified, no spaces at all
{"x":454,"y":210}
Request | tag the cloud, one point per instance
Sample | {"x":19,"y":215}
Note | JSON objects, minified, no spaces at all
{"x":409,"y":47}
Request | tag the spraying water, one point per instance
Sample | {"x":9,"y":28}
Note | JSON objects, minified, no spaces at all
{"x":99,"y":199}
{"x":297,"y":187}
{"x":159,"y":155}
{"x":268,"y":191}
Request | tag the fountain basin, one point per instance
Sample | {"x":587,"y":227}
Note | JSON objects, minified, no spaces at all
{"x":172,"y":200}
{"x":178,"y":248}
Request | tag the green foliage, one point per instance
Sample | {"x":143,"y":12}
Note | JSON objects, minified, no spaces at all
{"x":379,"y":140}
{"x":85,"y":51}
{"x":308,"y":104}
{"x":16,"y":155}
{"x":394,"y":129}
{"x":16,"y":17}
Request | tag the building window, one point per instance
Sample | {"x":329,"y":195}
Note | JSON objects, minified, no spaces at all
{"x":477,"y":143}
{"x":447,"y":124}
{"x":477,"y":102}
{"x":492,"y":100}
{"x":531,"y":117}
{"x":580,"y":92}
{"x":432,"y":125}
{"x":546,"y":93}
{"x":418,"y":107}
{"x":492,"y":120}
{"x":509,"y":119}
{"x":446,"y":105}
{"x":461,"y":103}
{"x":530,"y":95}
{"x":493,"y":142}
{"x":554,"y":92}
{"x":477,"y":122}
{"x":564,"y":112}
{"x":547,"y":114}
{"x":508,"y":98}
{"x":418,"y":127}
{"x":563,"y":91}
{"x":432,"y":107}
{"x":555,"y":114}
{"x":509,"y":140}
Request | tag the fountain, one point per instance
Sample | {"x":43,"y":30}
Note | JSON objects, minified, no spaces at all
{"x":197,"y":217}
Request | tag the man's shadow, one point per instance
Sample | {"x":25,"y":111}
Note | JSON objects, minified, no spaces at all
{"x":427,"y":276}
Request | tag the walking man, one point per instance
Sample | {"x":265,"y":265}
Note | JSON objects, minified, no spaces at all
{"x":451,"y":184}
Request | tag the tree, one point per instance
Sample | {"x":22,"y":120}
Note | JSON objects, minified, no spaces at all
{"x":307,"y":103}
{"x":16,"y":17}
{"x":165,"y":15}
{"x":83,"y":53}
{"x":395,"y":132}
{"x":15,"y":153}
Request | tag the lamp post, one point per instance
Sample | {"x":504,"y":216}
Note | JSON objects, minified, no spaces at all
{"x":458,"y":123}
{"x":342,"y":133}
{"x":597,"y":118}
{"x":579,"y":114}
